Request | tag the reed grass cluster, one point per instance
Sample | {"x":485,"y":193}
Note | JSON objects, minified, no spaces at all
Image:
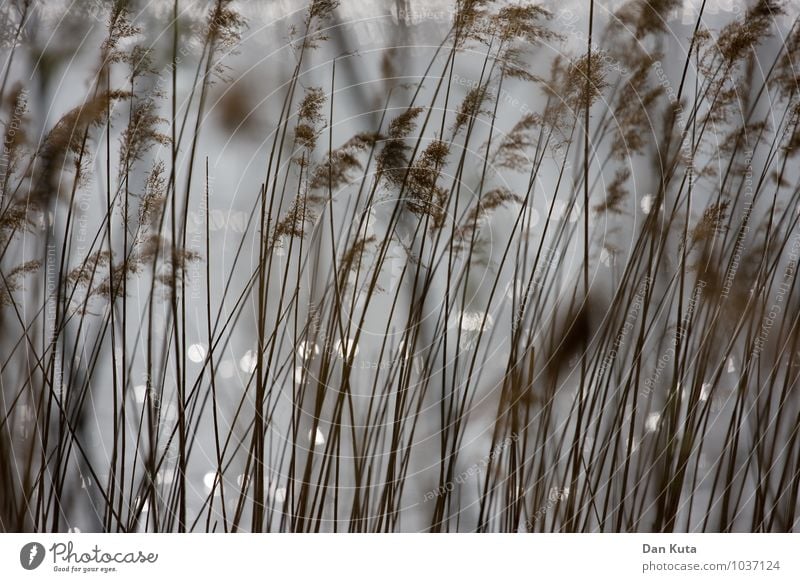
{"x":464,"y":315}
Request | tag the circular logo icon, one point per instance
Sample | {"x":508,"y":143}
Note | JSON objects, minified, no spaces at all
{"x":31,"y":555}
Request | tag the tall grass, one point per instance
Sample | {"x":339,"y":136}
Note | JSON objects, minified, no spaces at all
{"x":582,"y":320}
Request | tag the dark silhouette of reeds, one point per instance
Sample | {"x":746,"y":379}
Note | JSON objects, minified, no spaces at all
{"x":591,"y":315}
